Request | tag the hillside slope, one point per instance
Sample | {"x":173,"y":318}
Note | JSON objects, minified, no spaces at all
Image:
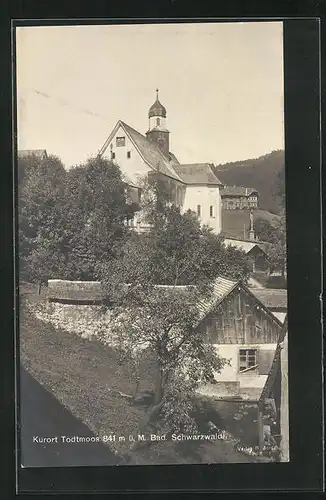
{"x":260,"y":173}
{"x":236,"y":223}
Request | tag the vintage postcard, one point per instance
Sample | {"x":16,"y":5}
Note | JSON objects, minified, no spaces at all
{"x":151,"y":244}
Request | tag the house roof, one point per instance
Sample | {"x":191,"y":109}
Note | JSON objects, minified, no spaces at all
{"x":238,"y":191}
{"x":197,"y":173}
{"x":222,"y":287}
{"x":246,"y":246}
{"x":40,"y":153}
{"x":272,"y":298}
{"x":150,"y":152}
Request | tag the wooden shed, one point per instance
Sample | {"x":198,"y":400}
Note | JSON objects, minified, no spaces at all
{"x":245,"y":332}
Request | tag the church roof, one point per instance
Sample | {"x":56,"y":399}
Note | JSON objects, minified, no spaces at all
{"x":237,"y":191}
{"x":150,"y":152}
{"x":197,"y":173}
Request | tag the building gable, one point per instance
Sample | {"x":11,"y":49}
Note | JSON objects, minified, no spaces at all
{"x":150,"y":158}
{"x":121,"y":149}
{"x":240,"y":318}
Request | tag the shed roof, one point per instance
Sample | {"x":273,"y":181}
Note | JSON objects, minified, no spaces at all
{"x":238,"y":191}
{"x":246,"y":246}
{"x":40,"y":153}
{"x":197,"y":173}
{"x":221,"y":289}
{"x":273,"y":298}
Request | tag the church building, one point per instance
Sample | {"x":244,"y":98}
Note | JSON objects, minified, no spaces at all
{"x":194,"y":186}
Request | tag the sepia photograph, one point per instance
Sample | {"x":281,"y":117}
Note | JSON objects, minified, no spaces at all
{"x":151,"y":244}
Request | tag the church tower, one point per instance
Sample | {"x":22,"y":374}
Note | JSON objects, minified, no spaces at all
{"x":157,"y":131}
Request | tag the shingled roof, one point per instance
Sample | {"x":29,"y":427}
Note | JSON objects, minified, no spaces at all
{"x":273,"y":298}
{"x":237,"y":191}
{"x":40,"y":153}
{"x":150,"y":152}
{"x":245,"y":246}
{"x":221,"y":289}
{"x":197,"y":173}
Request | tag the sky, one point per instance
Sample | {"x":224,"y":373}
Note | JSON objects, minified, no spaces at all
{"x":221,"y":83}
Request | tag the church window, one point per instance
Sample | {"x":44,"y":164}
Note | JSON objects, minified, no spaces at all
{"x":158,"y":121}
{"x":129,"y":154}
{"x":120,"y":141}
{"x":198,"y":210}
{"x":112,"y":155}
{"x":211,"y":211}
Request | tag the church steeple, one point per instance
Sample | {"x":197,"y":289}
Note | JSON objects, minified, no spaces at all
{"x":157,"y":131}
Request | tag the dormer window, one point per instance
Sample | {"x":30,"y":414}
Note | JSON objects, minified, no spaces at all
{"x":120,"y":141}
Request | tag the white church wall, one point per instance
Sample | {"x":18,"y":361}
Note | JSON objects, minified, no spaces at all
{"x":205,"y":197}
{"x":134,"y":168}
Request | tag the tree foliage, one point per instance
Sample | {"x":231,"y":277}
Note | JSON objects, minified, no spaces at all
{"x":275,"y":235}
{"x":40,"y":218}
{"x":69,"y":221}
{"x":176,"y":250}
{"x":169,"y":271}
{"x":164,"y":320}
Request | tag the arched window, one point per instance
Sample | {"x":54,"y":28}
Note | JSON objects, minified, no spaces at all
{"x":158,"y":121}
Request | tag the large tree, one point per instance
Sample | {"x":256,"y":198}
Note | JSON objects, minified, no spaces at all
{"x":96,"y":207}
{"x":168,"y":273}
{"x":163,"y":321}
{"x":176,"y":250}
{"x":277,"y":251}
{"x":275,"y":235}
{"x":41,"y":192}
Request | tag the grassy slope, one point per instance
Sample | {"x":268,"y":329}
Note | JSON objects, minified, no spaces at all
{"x":260,"y":173}
{"x":80,"y":374}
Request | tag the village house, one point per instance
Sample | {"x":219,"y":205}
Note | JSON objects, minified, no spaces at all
{"x":239,"y":198}
{"x":254,"y":251}
{"x":246,"y":333}
{"x":193,"y":186}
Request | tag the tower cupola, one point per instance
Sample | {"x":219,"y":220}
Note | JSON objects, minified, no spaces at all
{"x":157,"y":109}
{"x":157,"y":131}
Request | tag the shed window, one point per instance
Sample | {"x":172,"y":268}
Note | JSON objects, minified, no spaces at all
{"x":248,"y":360}
{"x":120,"y":141}
{"x":128,"y":154}
{"x":198,"y":210}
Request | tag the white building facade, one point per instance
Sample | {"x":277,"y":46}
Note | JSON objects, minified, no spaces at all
{"x":196,"y":186}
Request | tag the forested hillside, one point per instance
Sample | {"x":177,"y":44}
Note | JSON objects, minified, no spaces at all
{"x":264,"y":173}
